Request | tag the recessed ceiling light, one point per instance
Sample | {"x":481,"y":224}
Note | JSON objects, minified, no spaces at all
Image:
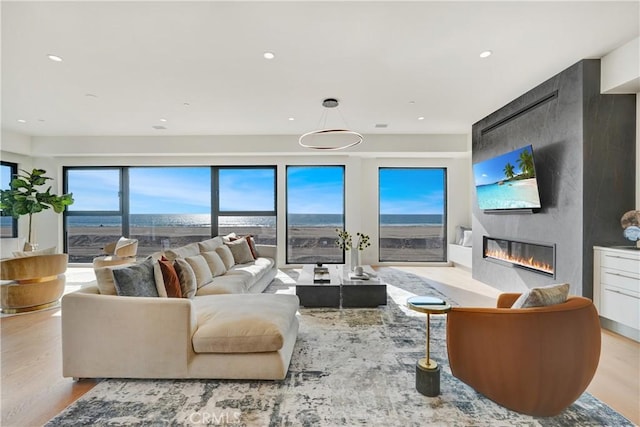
{"x":22,"y":121}
{"x":90,"y":95}
{"x":54,"y":58}
{"x":420,"y":118}
{"x":381,"y":125}
{"x":163,"y":120}
{"x":485,"y":54}
{"x":186,"y":104}
{"x":269,"y":55}
{"x":41,"y":120}
{"x":291,"y":119}
{"x":158,"y":127}
{"x":412,"y":102}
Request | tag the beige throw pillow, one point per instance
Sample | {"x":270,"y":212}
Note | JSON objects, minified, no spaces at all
{"x":188,"y":283}
{"x":226,"y":256}
{"x":542,"y":297}
{"x":210,"y":244}
{"x":241,"y":251}
{"x":201,"y":270}
{"x":215,"y":263}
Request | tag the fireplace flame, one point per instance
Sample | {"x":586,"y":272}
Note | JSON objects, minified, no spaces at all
{"x":525,"y":262}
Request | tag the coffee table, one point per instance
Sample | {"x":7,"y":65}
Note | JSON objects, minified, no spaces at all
{"x":318,"y":294}
{"x":427,"y":369}
{"x":359,"y":293}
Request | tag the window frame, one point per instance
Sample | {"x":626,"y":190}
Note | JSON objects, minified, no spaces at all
{"x":14,"y":221}
{"x":344,"y":206}
{"x":124,"y":194}
{"x":445,"y":215}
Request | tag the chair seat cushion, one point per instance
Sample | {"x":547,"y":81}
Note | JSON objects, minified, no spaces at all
{"x":243,"y":323}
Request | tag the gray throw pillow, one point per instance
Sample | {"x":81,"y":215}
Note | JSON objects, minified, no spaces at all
{"x":542,"y":297}
{"x":137,"y":280}
{"x":241,"y":251}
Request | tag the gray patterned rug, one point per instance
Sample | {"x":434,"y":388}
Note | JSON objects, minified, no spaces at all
{"x":349,"y":367}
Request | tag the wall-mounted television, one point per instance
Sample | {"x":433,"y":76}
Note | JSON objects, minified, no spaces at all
{"x":507,"y":182}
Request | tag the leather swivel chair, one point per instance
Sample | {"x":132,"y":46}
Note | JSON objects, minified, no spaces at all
{"x":535,"y":361}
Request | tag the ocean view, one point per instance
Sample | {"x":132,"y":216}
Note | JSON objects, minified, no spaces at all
{"x":204,"y":220}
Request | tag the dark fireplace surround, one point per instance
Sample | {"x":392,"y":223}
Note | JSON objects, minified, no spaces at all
{"x":531,"y":256}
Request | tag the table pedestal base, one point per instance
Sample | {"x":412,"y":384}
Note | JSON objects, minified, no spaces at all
{"x":428,"y":380}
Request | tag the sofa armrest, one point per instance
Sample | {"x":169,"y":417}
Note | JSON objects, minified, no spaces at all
{"x":125,"y":337}
{"x":268,"y":251}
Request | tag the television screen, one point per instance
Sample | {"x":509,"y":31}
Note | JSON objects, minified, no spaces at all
{"x":507,"y":181}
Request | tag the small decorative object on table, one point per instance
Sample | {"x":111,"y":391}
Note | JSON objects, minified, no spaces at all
{"x":630,"y":222}
{"x":321,"y":274}
{"x":345,"y":243}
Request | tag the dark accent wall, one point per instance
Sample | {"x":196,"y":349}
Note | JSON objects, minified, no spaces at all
{"x":584,"y":151}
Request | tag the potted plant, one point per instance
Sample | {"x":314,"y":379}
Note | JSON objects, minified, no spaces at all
{"x":25,"y":197}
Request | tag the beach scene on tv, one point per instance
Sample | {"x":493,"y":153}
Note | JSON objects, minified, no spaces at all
{"x":507,"y":181}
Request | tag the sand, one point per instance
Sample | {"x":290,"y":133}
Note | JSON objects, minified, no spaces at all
{"x":404,"y":243}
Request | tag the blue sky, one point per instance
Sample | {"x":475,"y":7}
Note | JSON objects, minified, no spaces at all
{"x":317,"y":190}
{"x":411,"y":191}
{"x":492,"y":170}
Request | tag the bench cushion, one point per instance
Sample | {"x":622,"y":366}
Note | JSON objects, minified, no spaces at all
{"x":243,"y":323}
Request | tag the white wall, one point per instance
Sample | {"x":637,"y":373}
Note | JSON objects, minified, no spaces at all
{"x":620,"y":73}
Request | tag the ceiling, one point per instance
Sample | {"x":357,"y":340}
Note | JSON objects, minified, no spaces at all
{"x":200,"y":65}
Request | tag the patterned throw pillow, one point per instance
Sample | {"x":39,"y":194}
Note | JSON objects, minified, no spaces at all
{"x":542,"y":297}
{"x":137,"y":280}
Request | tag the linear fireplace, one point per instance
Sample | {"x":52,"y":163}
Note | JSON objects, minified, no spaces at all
{"x":536,"y":257}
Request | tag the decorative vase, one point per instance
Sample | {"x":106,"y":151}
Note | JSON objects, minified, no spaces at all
{"x":355,"y":259}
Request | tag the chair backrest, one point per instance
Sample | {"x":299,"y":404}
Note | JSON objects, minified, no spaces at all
{"x":126,"y":248}
{"x":534,"y":360}
{"x":33,"y":267}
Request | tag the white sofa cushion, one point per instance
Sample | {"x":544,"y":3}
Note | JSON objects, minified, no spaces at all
{"x":227,"y":284}
{"x":243,"y":323}
{"x":10,"y":245}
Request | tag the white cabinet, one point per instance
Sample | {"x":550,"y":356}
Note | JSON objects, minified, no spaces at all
{"x":616,"y":291}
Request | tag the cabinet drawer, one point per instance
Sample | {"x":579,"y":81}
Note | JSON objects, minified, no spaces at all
{"x":620,"y":308}
{"x":621,"y":279}
{"x":621,"y":262}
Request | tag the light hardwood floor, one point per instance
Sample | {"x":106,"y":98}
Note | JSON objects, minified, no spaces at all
{"x":33,"y":389}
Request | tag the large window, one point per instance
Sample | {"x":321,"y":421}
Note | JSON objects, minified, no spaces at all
{"x":315,"y":208}
{"x":166,"y":206}
{"x":412,"y":214}
{"x":95,"y":218}
{"x":169,"y":206}
{"x":8,"y":225}
{"x":246,"y":202}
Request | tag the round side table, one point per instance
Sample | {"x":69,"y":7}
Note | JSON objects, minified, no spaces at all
{"x":427,"y":369}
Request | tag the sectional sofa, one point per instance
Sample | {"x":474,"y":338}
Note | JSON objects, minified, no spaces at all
{"x":226,"y":329}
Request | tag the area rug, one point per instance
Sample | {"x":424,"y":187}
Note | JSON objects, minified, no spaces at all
{"x":350,"y":367}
